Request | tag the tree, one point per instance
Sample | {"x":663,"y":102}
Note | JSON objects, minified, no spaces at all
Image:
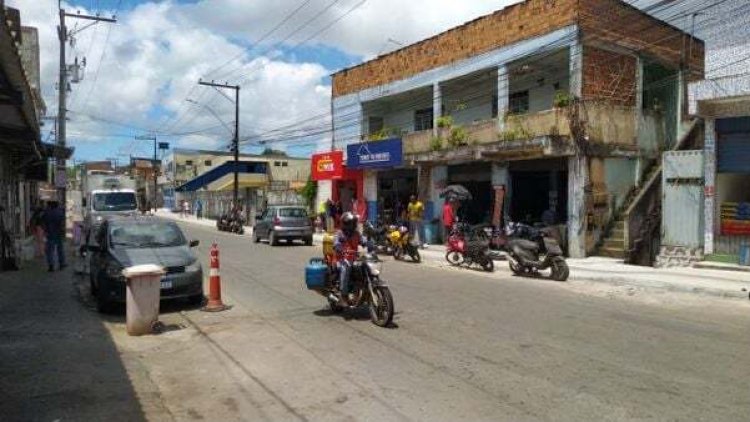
{"x":309,"y":192}
{"x":271,"y":151}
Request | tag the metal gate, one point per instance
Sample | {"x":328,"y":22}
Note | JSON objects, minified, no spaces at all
{"x":682,"y":199}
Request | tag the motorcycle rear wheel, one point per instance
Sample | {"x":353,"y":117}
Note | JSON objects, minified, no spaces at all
{"x":516,"y":268}
{"x":335,"y":307}
{"x":415,"y":256}
{"x":560,"y":270}
{"x":381,"y":306}
{"x":455,"y":258}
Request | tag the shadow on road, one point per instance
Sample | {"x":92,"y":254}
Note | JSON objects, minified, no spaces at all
{"x":57,"y":359}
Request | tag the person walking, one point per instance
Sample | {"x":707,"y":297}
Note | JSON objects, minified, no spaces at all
{"x":449,"y":217}
{"x":186,"y":206}
{"x":54,"y":227}
{"x":198,"y":209}
{"x":330,"y":215}
{"x":415,"y":215}
{"x":36,"y":225}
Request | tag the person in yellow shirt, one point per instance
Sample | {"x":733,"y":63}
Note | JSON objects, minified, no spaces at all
{"x":415,"y":214}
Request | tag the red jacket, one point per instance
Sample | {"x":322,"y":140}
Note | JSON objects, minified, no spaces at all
{"x":347,"y":248}
{"x":448,"y":217}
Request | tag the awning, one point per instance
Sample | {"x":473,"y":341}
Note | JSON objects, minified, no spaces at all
{"x":251,"y":174}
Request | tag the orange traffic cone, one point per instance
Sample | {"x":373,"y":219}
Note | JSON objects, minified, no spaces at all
{"x":214,"y":286}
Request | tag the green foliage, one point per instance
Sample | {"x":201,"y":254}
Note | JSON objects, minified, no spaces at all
{"x":384,"y":133}
{"x":309,"y":192}
{"x":444,"y":122}
{"x":458,"y":136}
{"x":436,"y":143}
{"x":562,"y":99}
{"x":271,"y":151}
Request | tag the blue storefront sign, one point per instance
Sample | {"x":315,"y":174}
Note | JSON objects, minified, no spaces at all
{"x":376,"y":154}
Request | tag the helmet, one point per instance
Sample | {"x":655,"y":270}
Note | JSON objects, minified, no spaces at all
{"x":348,"y":223}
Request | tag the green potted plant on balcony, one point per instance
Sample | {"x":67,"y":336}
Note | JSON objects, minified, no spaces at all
{"x":562,"y":99}
{"x":436,"y":143}
{"x":458,"y":137}
{"x":444,"y":122}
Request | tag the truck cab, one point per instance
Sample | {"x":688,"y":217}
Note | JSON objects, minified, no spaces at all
{"x":106,"y":195}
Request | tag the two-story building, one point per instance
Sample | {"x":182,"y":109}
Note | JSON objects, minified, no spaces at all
{"x":209,"y":176}
{"x":545,"y":105}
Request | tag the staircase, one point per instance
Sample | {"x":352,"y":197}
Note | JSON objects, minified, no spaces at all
{"x":613,"y":245}
{"x":631,"y":233}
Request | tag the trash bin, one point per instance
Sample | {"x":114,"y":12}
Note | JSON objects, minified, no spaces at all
{"x":142,"y":298}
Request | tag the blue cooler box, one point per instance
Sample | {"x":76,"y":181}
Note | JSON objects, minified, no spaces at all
{"x":315,"y":274}
{"x":745,"y":254}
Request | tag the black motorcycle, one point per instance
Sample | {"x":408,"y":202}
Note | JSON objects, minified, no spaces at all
{"x":531,"y":250}
{"x":233,"y":223}
{"x":378,"y":236}
{"x":366,"y":287}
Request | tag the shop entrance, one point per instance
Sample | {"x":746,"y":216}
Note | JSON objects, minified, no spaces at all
{"x":394,"y":189}
{"x":477,"y":179}
{"x":539,"y":192}
{"x":732,"y":179}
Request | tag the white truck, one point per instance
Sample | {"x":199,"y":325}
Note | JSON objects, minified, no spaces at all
{"x":105,"y":194}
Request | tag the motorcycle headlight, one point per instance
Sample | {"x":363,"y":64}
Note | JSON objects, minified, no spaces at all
{"x":194,"y":267}
{"x":376,"y":267}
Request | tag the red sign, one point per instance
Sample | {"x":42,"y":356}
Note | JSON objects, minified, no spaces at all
{"x":328,"y":165}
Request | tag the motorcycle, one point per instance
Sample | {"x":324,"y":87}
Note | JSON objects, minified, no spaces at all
{"x":366,"y":287}
{"x":531,"y":250}
{"x":379,"y":236}
{"x":462,"y":252}
{"x":403,"y":244}
{"x":233,"y":223}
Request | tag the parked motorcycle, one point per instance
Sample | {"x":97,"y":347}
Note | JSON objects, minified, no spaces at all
{"x":232,"y":222}
{"x":531,"y":250}
{"x":403,"y":244}
{"x":462,"y":252}
{"x":379,"y":236}
{"x":366,"y":287}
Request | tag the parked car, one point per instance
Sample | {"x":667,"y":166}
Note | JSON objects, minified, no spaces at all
{"x":122,"y":243}
{"x":287,"y":223}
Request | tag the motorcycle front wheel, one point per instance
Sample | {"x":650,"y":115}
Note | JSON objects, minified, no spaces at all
{"x":415,"y":256}
{"x":560,"y":270}
{"x":488,"y":265}
{"x":516,"y":268}
{"x":455,"y":258}
{"x":381,"y":306}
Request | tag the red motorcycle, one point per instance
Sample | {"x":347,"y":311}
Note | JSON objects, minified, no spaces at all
{"x":459,"y":251}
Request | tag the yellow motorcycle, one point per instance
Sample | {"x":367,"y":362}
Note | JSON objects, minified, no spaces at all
{"x":403,"y":244}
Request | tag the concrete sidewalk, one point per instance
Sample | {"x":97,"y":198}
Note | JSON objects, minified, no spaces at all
{"x":702,"y":281}
{"x":57,"y":358}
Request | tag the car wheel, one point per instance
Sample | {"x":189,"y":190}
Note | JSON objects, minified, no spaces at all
{"x":272,"y":240}
{"x":103,"y":304}
{"x":309,"y":241}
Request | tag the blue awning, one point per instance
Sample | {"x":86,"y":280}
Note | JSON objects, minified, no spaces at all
{"x":243,"y":167}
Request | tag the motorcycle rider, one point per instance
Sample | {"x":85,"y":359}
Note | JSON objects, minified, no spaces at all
{"x":346,"y":244}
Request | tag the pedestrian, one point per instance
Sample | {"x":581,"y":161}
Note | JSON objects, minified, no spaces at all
{"x":199,"y":209}
{"x":449,"y":217}
{"x":415,"y":215}
{"x":330,"y":215}
{"x":54,"y":227}
{"x":338,"y":211}
{"x":36,"y":226}
{"x":186,"y":208}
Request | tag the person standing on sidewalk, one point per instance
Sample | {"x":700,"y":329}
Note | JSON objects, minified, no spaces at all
{"x":415,"y":214}
{"x":199,"y":209}
{"x":449,"y":217}
{"x":36,"y":225}
{"x":54,"y":226}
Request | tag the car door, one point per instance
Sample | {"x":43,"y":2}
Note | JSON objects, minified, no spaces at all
{"x":260,"y":225}
{"x":268,"y":220}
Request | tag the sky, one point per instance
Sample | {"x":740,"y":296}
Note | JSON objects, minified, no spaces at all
{"x":141,"y":73}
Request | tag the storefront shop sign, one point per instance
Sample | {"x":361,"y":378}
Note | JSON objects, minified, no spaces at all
{"x":327,"y":166}
{"x":377,"y":154}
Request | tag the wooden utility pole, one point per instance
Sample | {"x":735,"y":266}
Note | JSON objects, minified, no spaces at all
{"x":153,"y":164}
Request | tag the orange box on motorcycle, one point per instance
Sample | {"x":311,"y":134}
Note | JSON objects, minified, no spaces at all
{"x":315,"y":274}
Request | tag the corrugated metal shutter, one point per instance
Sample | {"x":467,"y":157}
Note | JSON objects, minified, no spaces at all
{"x":734,"y":153}
{"x":682,"y":199}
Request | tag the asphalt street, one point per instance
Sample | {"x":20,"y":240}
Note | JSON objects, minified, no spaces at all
{"x":469,"y":347}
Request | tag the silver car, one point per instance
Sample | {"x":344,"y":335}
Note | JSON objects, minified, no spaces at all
{"x":287,"y":223}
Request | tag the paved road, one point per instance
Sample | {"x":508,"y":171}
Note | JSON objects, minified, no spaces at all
{"x":467,"y":347}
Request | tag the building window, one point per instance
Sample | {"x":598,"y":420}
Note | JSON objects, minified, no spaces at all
{"x":423,"y":119}
{"x":277,"y":163}
{"x":519,"y":102}
{"x":284,"y":164}
{"x":188,"y":162}
{"x":494,"y":106}
{"x":374,"y":124}
{"x":207,"y":163}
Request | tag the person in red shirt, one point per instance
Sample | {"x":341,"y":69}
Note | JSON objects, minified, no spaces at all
{"x":346,"y":244}
{"x":449,"y":218}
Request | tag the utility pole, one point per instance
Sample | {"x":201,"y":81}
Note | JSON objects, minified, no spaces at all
{"x":153,"y":163}
{"x":236,"y":140}
{"x":64,"y":36}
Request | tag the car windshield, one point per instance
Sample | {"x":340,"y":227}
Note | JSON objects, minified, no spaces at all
{"x":146,"y":235}
{"x":293,"y":212}
{"x":115,"y":201}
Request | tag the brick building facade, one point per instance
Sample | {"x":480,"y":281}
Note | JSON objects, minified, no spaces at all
{"x":546,"y":105}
